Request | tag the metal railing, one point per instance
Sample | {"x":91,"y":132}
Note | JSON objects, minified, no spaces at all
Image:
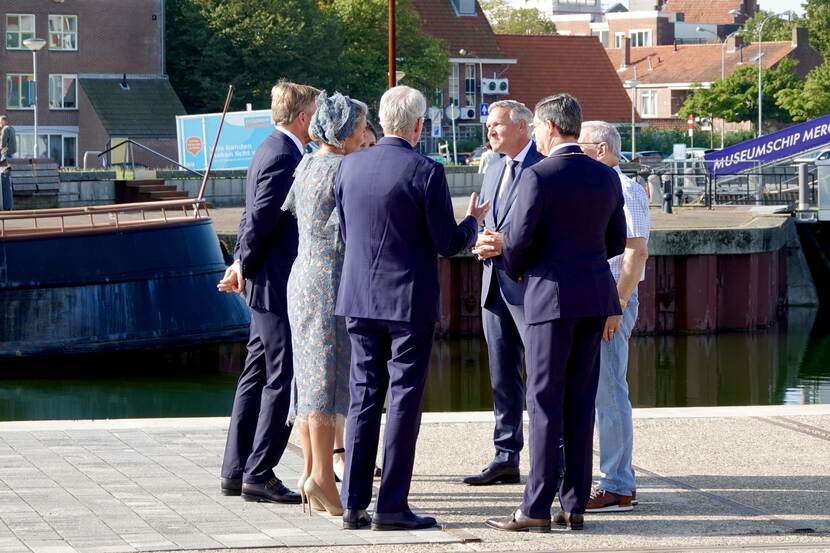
{"x":39,"y":222}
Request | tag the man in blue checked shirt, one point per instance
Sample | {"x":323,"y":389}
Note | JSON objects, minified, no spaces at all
{"x":617,"y":489}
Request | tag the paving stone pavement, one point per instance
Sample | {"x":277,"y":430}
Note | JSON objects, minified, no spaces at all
{"x":125,"y":486}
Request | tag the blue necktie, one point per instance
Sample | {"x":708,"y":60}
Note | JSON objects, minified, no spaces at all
{"x":511,"y":172}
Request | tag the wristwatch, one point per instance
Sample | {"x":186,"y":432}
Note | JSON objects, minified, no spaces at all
{"x":623,"y":304}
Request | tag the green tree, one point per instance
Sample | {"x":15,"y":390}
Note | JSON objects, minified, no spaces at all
{"x":507,"y":20}
{"x":735,"y":98}
{"x":810,"y":100}
{"x":817,"y":20}
{"x":250,"y":44}
{"x":776,"y":29}
{"x":362,"y":63}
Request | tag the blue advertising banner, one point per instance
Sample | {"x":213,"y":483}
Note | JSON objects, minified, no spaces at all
{"x":242,"y":134}
{"x":783,"y":143}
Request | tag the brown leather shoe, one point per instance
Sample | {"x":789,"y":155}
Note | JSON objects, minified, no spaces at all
{"x":603,"y":501}
{"x":519,"y":522}
{"x":569,"y":520}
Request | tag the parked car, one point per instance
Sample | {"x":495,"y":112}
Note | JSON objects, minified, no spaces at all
{"x":813,"y":156}
{"x":649,"y":157}
{"x":475,"y":156}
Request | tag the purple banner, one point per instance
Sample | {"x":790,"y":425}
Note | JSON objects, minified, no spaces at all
{"x":777,"y":145}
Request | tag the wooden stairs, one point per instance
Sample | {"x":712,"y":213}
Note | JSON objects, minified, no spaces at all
{"x":147,"y":190}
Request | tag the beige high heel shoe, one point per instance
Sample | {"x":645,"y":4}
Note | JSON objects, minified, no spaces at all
{"x":312,"y":502}
{"x":315,"y":492}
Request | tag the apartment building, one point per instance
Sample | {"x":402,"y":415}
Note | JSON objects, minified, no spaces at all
{"x":100,"y":76}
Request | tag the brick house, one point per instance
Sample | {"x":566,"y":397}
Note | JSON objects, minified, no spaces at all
{"x":86,"y":41}
{"x":573,"y":64}
{"x":667,"y":74}
{"x":486,"y":67}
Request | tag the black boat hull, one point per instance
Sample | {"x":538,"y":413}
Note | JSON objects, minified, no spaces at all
{"x":133,"y":288}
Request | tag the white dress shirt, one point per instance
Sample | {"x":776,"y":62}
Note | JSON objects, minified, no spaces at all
{"x":297,"y":142}
{"x":505,"y":178}
{"x":560,"y":146}
{"x":637,"y":218}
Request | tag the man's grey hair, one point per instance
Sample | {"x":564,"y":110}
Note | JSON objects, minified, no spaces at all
{"x":562,"y":110}
{"x":518,"y":112}
{"x":600,"y":131}
{"x":400,"y":109}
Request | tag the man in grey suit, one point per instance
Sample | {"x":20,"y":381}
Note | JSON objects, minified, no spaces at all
{"x":502,"y":313}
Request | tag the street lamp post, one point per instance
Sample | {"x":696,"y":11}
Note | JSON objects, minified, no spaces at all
{"x":632,"y":84}
{"x":722,"y":70}
{"x":34,"y":44}
{"x":760,"y":69}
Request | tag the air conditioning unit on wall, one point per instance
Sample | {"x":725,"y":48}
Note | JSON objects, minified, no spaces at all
{"x":469,"y":112}
{"x":495,"y":87}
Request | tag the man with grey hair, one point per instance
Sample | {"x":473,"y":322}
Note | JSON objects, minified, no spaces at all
{"x":617,"y":488}
{"x":568,"y":220}
{"x":396,"y":217}
{"x":502,"y":313}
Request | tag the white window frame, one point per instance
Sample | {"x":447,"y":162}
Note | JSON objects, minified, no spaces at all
{"x":599,"y":34}
{"x":25,"y":147}
{"x":646,"y":37}
{"x":619,"y":40}
{"x":20,"y":90}
{"x":470,"y":77}
{"x":19,"y":32}
{"x":453,"y":86}
{"x":62,"y":77}
{"x":61,"y":33}
{"x":647,"y":98}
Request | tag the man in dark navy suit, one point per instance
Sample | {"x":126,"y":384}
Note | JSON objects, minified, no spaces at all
{"x":396,"y":217}
{"x":568,"y":220}
{"x":265,"y":251}
{"x":502,"y":313}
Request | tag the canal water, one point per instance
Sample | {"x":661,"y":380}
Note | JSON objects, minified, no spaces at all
{"x":789,"y":364}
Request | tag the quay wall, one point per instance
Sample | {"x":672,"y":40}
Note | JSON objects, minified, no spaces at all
{"x":697,"y":281}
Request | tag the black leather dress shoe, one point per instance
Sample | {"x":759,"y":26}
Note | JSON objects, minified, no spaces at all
{"x":494,"y":474}
{"x":519,"y":522}
{"x":569,"y":520}
{"x":231,"y":486}
{"x":272,"y":491}
{"x":354,"y":519}
{"x":406,"y":520}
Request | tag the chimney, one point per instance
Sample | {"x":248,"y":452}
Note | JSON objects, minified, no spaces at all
{"x":800,"y":36}
{"x":626,"y":59}
{"x":734,"y":43}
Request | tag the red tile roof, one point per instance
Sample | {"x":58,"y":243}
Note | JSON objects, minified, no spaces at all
{"x":577,"y":65}
{"x":472,"y":33}
{"x":704,"y":11}
{"x":692,"y":63}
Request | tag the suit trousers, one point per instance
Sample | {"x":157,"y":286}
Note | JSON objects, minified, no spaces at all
{"x":259,"y":428}
{"x":562,"y":375}
{"x":393,"y":355}
{"x":504,"y":330}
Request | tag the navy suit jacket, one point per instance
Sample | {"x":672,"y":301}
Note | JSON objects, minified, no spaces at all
{"x":567,"y":222}
{"x":511,"y":289}
{"x":396,"y":217}
{"x":267,"y":243}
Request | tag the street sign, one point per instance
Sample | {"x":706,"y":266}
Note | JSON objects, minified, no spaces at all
{"x":436,"y":129}
{"x":435,"y":114}
{"x":483,"y":109}
{"x":690,"y":123}
{"x":679,"y":152}
{"x":452,"y":112}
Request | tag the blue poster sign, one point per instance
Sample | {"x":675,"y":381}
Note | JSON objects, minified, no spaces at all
{"x":777,"y":145}
{"x":242,"y":134}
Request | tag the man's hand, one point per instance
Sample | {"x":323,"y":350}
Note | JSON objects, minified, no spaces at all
{"x":489,"y":244}
{"x":232,"y":281}
{"x":612,"y":326}
{"x":477,"y":211}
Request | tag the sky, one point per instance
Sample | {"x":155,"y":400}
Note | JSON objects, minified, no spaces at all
{"x":771,"y":5}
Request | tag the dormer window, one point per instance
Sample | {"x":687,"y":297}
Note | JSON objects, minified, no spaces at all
{"x":464,"y":7}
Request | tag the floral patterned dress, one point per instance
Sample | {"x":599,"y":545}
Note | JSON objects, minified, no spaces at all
{"x":319,"y":339}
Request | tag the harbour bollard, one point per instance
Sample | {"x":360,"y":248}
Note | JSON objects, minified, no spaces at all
{"x":667,"y":196}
